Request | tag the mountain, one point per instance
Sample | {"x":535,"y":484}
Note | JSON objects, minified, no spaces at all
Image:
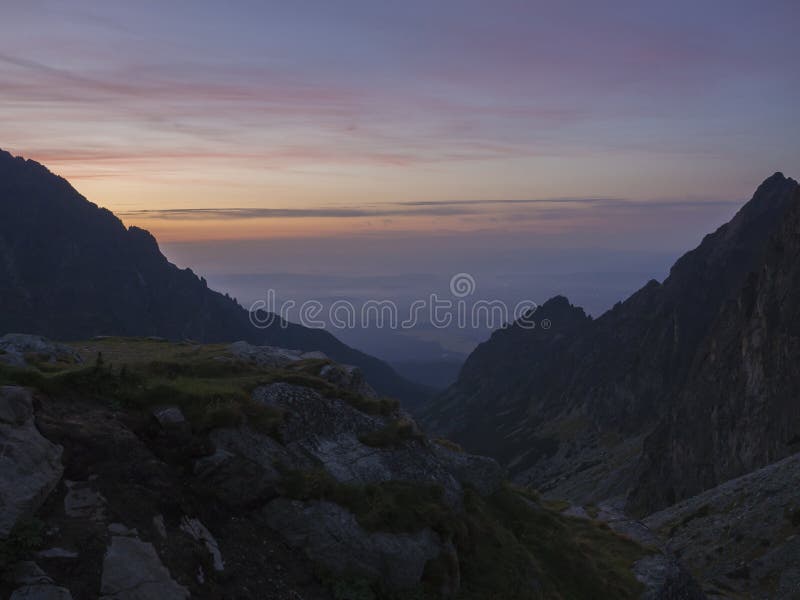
{"x":568,"y":408}
{"x":71,"y":270}
{"x":738,"y":411}
{"x":436,"y":374}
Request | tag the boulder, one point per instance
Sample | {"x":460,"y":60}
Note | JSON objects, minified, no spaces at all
{"x":82,"y":501}
{"x":16,"y":405}
{"x":200,"y":533}
{"x":21,"y":345}
{"x":481,"y":473}
{"x":30,"y":465}
{"x":133,"y":571}
{"x":331,"y":536}
{"x":168,"y":416}
{"x":12,"y":358}
{"x":263,"y":356}
{"x":41,"y":591}
{"x":242,"y":472}
{"x":349,"y":378}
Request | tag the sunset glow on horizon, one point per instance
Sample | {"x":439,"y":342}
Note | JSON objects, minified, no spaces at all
{"x":353,"y":114}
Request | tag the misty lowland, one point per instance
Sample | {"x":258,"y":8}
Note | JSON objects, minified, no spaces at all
{"x":399,"y":301}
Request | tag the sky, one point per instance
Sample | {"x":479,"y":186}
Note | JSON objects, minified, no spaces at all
{"x":258,"y":137}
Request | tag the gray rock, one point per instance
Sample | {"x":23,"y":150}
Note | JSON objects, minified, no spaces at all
{"x":41,"y":591}
{"x":331,"y":536}
{"x":59,"y":553}
{"x":30,"y":465}
{"x":329,"y":431}
{"x":161,"y":529}
{"x":16,"y":405}
{"x":481,"y":473}
{"x":21,"y":344}
{"x":120,"y":529}
{"x":83,"y":502}
{"x":28,"y":573}
{"x":168,"y":416}
{"x":316,"y":354}
{"x":12,"y":358}
{"x":263,"y":356}
{"x":133,"y":571}
{"x":200,"y":533}
{"x":242,"y":469}
{"x":349,"y":378}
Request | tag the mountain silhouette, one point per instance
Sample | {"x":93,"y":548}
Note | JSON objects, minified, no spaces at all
{"x":569,"y":409}
{"x":72,"y":270}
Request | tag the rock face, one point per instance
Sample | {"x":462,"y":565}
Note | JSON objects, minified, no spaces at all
{"x":351,"y":446}
{"x":133,"y":571}
{"x":568,"y":408}
{"x":71,"y":270}
{"x":30,"y":465}
{"x":331,"y":536}
{"x":738,"y":410}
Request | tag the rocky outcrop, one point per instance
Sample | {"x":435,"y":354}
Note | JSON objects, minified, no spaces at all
{"x":264,"y":356}
{"x":356,"y":447}
{"x":331,"y":536}
{"x":30,"y":465}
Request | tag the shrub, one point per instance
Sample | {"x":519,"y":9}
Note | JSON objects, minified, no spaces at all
{"x":24,"y":539}
{"x":394,"y":434}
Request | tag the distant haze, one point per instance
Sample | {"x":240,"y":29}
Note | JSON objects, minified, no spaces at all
{"x":572,"y":147}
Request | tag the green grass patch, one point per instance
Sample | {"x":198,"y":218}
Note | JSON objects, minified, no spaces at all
{"x":556,"y":505}
{"x":517,"y":549}
{"x":449,"y":444}
{"x":394,"y":434}
{"x":392,"y":506}
{"x":592,"y":510}
{"x":211,"y":387}
{"x":24,"y":540}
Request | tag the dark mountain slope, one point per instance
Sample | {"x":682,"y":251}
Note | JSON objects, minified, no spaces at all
{"x":71,"y":270}
{"x":567,"y":408}
{"x":739,"y":409}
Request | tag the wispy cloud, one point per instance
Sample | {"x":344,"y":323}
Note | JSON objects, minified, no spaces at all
{"x":290,"y":213}
{"x":542,"y":207}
